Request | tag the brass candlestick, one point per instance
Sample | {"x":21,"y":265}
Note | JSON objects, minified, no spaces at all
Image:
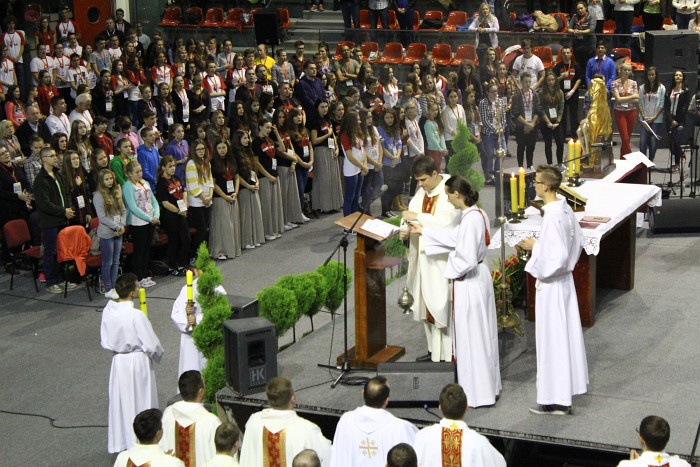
{"x":190,"y":327}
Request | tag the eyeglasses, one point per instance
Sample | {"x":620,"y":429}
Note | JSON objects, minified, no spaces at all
{"x":540,"y":183}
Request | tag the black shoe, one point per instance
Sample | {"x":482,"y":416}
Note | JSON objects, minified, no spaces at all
{"x":424,"y":358}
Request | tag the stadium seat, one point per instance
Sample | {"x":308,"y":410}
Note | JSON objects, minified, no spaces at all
{"x":393,"y":21}
{"x":171,"y":16}
{"x":367,"y":49}
{"x":393,"y":53}
{"x":338,"y":55}
{"x":442,"y":54}
{"x":434,"y":15}
{"x":364,"y":19}
{"x":285,"y":22}
{"x":545,"y":54}
{"x":195,"y":10}
{"x":564,"y":20}
{"x":454,"y":19}
{"x":214,"y":18}
{"x":233,"y":19}
{"x":636,"y":66}
{"x":609,"y":26}
{"x":416,"y":20}
{"x":32,"y":13}
{"x":466,"y":52}
{"x":415,"y":53}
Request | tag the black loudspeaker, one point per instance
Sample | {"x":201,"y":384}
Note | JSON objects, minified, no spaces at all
{"x":250,"y":354}
{"x":671,"y":50}
{"x":243,"y":307}
{"x":417,"y":383}
{"x":675,"y":215}
{"x":267,"y":27}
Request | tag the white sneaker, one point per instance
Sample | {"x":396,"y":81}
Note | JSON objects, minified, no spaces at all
{"x":278,"y":235}
{"x":257,"y":244}
{"x":304,"y":219}
{"x":72,"y":285}
{"x":269,"y":238}
{"x":147,"y":282}
{"x":222,"y":257}
{"x":248,"y":247}
{"x":288,"y":227}
{"x":112,"y":295}
{"x":56,"y":289}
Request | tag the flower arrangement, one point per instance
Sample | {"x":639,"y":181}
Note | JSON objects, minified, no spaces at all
{"x":515,"y":278}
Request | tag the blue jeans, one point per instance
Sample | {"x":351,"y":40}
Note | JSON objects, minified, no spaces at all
{"x":353,"y":188}
{"x":371,"y":187}
{"x":51,"y":271}
{"x":110,"y":249}
{"x":646,"y":140}
{"x":490,"y":145}
{"x":302,"y":178}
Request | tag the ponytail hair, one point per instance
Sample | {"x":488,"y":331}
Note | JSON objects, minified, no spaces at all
{"x":461,"y":186}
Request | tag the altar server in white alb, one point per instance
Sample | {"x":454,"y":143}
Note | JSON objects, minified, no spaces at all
{"x":365,"y":435}
{"x":654,"y":433}
{"x":127,"y":333}
{"x":276,"y":435}
{"x":474,"y":308}
{"x":149,"y":431}
{"x":426,"y":274}
{"x":185,"y":318}
{"x":227,"y":441}
{"x":189,"y":428}
{"x":562,"y":371}
{"x":452,"y":442}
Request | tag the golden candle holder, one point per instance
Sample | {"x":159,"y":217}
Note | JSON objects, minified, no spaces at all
{"x":190,"y":327}
{"x":506,"y":317}
{"x":515,"y":217}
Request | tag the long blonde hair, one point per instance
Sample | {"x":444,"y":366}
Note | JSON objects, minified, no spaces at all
{"x":114,"y":204}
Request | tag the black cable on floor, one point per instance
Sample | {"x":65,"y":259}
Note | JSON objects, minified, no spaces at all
{"x":51,"y":420}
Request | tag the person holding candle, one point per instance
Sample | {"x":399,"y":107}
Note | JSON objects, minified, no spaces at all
{"x":474,"y":308}
{"x":127,"y":333}
{"x":186,"y":313}
{"x":562,"y":370}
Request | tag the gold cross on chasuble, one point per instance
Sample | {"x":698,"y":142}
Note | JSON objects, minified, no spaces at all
{"x":184,"y":444}
{"x":274,"y":448}
{"x":451,"y":441}
{"x":368,"y":448}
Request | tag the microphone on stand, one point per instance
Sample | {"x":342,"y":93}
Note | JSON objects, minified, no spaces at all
{"x":608,"y":144}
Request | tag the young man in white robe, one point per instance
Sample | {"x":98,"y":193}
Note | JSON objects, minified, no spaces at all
{"x":128,"y":333}
{"x":185,"y":317}
{"x":426,"y":279}
{"x":276,"y":435}
{"x":365,"y":435}
{"x":474,"y":308}
{"x":227,"y":440}
{"x":452,"y":442}
{"x":189,"y":428}
{"x":654,"y":433}
{"x":562,"y":370}
{"x":149,"y":430}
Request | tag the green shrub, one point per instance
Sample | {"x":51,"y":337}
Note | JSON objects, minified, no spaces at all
{"x":279,"y":306}
{"x":320,"y":293}
{"x":465,"y":154}
{"x":333,"y":273}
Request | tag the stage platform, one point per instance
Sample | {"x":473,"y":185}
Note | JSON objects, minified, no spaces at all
{"x":642,"y":357}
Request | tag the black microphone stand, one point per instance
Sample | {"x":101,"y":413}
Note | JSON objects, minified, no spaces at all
{"x":343,"y":243}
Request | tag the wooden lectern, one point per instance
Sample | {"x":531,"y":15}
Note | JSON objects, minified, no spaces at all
{"x":370,"y":299}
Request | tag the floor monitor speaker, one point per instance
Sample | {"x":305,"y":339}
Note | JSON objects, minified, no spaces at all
{"x":676,"y":215}
{"x":671,"y":50}
{"x":250,"y":354}
{"x":417,"y":383}
{"x":243,"y":307}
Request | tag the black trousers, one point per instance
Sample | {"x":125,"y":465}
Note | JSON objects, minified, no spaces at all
{"x":178,"y":231}
{"x":526,"y":145}
{"x":569,"y":121}
{"x":199,"y":218}
{"x":547,"y":135}
{"x":142,"y":237}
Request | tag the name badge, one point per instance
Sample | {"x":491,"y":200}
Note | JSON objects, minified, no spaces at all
{"x":567,"y":85}
{"x":170,"y":120}
{"x":405,"y":150}
{"x":118,"y":219}
{"x":274,"y":164}
{"x":331,"y":143}
{"x":108,"y":105}
{"x":253,"y":178}
{"x":552,"y":113}
{"x":17,"y":188}
{"x":348,"y":82}
{"x":229,"y":186}
{"x":186,"y":112}
{"x":528,"y":115}
{"x":181,"y":206}
{"x":81,"y":202}
{"x":306,"y":151}
{"x":267,"y":88}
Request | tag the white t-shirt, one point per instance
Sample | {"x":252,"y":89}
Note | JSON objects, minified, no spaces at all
{"x":37,"y":64}
{"x":14,"y":43}
{"x":62,"y":64}
{"x":532,"y":66}
{"x":79,"y":76}
{"x":350,"y":169}
{"x":7,"y":69}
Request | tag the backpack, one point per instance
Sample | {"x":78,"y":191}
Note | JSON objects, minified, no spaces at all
{"x":523,"y":23}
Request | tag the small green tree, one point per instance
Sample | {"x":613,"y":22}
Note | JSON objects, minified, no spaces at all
{"x":333,"y":273}
{"x":466,"y":154}
{"x":208,"y":334}
{"x":303,"y":291}
{"x":279,"y":306}
{"x":318,"y":282}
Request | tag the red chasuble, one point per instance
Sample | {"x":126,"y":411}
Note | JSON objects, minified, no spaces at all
{"x":274,"y":449}
{"x":451,"y":448}
{"x":184,"y":444}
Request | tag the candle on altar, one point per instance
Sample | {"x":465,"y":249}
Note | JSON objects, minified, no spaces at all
{"x":571,"y":155}
{"x":142,"y":299}
{"x":521,"y":187}
{"x":577,"y":162}
{"x":513,"y":193}
{"x":190,"y":294}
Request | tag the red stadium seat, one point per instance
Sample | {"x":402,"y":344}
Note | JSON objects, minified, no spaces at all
{"x":416,"y":20}
{"x":171,"y":16}
{"x":454,"y":19}
{"x":636,"y":66}
{"x":364,"y":19}
{"x":442,"y":54}
{"x":393,"y":53}
{"x":465,"y":52}
{"x":285,"y":22}
{"x":393,"y":21}
{"x":545,"y":54}
{"x":338,"y":55}
{"x":367,"y":49}
{"x":564,"y":21}
{"x":609,"y":26}
{"x":415,"y":53}
{"x":233,"y":19}
{"x":214,"y":18}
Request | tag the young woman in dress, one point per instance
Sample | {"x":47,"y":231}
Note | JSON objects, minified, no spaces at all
{"x":266,"y":160}
{"x":121,"y":86}
{"x":651,"y":110}
{"x":170,"y":192}
{"x":474,"y":307}
{"x":552,"y":102}
{"x":142,"y":216}
{"x":287,"y":164}
{"x":200,"y":191}
{"x":110,"y":209}
{"x":473,"y":118}
{"x":327,"y":195}
{"x":77,"y":188}
{"x":225,"y":235}
{"x":252,"y":228}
